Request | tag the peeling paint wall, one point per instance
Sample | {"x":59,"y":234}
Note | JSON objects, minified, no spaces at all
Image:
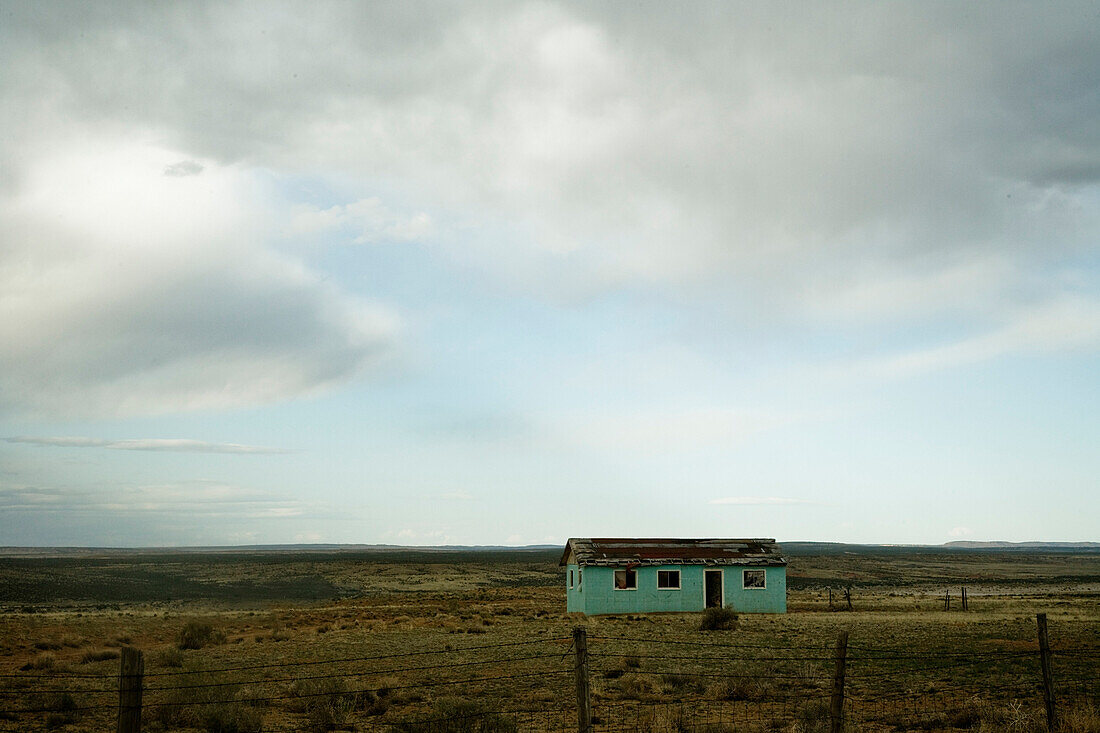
{"x":596,"y":593}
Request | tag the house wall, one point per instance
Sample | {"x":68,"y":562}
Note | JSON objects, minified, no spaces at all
{"x":574,"y":596}
{"x":596,"y":593}
{"x":770,"y":599}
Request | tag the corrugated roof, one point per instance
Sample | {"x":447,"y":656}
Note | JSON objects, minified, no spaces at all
{"x":669,"y":551}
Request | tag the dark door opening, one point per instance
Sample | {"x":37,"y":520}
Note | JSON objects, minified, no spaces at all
{"x":713,"y":583}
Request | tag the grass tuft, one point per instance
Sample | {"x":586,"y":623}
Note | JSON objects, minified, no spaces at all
{"x":451,"y":715}
{"x":171,"y":657}
{"x":718,"y":619}
{"x":196,"y":634}
{"x":63,"y":710}
{"x":42,"y":662}
{"x":101,"y":655}
{"x":813,"y":717}
{"x":208,"y":706}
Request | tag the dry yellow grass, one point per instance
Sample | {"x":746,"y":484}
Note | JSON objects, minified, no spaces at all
{"x":492,"y":626}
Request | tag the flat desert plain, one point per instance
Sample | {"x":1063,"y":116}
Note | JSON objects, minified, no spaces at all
{"x":308,"y":639}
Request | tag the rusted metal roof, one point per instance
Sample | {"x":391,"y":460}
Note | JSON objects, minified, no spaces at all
{"x":668,"y":551}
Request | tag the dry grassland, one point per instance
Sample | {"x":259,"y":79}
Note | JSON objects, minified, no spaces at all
{"x":358,"y":642}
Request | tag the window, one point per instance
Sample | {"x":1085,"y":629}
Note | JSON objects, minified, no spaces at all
{"x":668,"y":580}
{"x":753,"y":579}
{"x":580,"y":577}
{"x":570,"y":578}
{"x":626,"y":580}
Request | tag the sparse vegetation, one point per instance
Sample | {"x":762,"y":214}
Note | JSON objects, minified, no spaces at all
{"x":895,"y":609}
{"x":205,"y":702}
{"x":197,"y":634}
{"x":277,"y":634}
{"x":812,"y":717}
{"x":681,"y":684}
{"x":718,"y":619}
{"x":101,"y":655}
{"x":637,"y":687}
{"x":42,"y":662}
{"x":452,"y":715}
{"x":171,"y":657}
{"x":740,"y":688}
{"x":63,"y":710}
{"x":1081,"y":718}
{"x":119,"y":640}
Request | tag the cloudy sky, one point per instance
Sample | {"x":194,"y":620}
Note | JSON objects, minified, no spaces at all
{"x":509,"y":272}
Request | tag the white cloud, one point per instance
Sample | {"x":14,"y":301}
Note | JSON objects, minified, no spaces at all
{"x":734,"y":151}
{"x":123,"y":291}
{"x":873,"y":291}
{"x":275,"y":512}
{"x":1065,"y":324}
{"x":960,"y":532}
{"x":730,"y":144}
{"x":420,"y":537}
{"x":175,"y":445}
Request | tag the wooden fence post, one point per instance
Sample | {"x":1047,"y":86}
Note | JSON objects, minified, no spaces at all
{"x":1048,"y":681}
{"x":836,"y":709}
{"x":965,"y":606}
{"x":848,"y":597}
{"x":584,"y":698}
{"x":130,"y":671}
{"x":947,"y":600}
{"x":830,"y":599}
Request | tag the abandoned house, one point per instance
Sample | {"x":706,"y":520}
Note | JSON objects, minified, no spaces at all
{"x":674,"y":575}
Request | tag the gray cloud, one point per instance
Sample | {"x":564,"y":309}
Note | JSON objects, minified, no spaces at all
{"x":772,"y":141}
{"x":207,"y":498}
{"x":128,"y":292}
{"x":788,"y":159}
{"x":173,"y":445}
{"x":183,"y":168}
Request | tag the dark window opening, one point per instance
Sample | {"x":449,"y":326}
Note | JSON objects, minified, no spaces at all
{"x":753,"y":579}
{"x":668,"y":579}
{"x":626,"y":580}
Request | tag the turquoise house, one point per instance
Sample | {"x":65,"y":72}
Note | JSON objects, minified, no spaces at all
{"x":619,"y":575}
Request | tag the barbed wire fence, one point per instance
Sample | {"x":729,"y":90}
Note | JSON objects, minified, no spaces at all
{"x":451,"y":688}
{"x":692,"y":685}
{"x":588,"y":683}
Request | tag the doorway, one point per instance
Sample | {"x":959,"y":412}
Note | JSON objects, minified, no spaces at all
{"x":713,"y":588}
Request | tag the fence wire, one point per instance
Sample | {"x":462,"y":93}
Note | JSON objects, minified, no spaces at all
{"x":637,"y":684}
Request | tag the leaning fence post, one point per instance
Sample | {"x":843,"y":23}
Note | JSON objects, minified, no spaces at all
{"x":836,"y":709}
{"x":1048,"y":681}
{"x":130,"y":671}
{"x":584,"y":699}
